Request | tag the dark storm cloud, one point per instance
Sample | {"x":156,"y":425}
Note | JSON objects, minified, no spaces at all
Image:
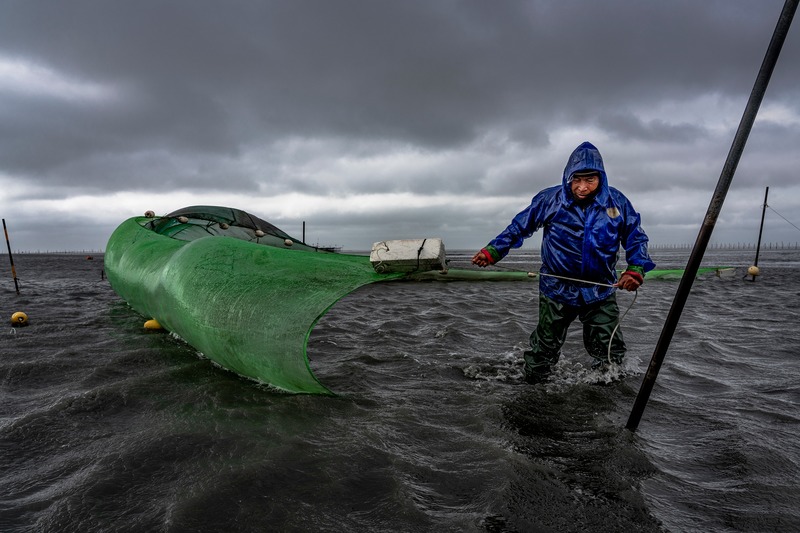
{"x":629,"y":127}
{"x":363,"y":96}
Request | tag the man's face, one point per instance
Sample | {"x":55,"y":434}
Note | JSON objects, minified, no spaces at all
{"x":583,"y":187}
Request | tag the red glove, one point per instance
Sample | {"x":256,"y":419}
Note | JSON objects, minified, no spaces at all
{"x":630,"y":280}
{"x":483,"y":258}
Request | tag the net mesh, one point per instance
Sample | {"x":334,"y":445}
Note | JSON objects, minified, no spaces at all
{"x":248,"y":307}
{"x":192,"y":223}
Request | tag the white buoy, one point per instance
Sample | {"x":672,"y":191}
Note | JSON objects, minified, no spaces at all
{"x":183,"y":220}
{"x":149,"y":214}
{"x":260,"y":233}
{"x":288,"y":242}
{"x":753,"y":271}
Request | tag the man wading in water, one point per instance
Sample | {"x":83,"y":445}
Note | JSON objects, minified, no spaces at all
{"x":584,"y":223}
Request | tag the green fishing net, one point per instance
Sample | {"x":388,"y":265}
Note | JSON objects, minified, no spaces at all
{"x":247,"y":306}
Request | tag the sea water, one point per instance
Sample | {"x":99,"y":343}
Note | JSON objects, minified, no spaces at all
{"x":106,"y":426}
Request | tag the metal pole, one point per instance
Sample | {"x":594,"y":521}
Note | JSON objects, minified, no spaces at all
{"x":10,"y":257}
{"x":714,"y":208}
{"x":760,"y":231}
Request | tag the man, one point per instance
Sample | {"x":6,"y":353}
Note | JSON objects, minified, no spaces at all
{"x":584,"y":222}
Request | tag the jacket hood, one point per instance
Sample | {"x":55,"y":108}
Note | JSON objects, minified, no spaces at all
{"x":586,"y":157}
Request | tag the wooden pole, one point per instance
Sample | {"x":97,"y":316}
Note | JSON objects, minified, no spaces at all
{"x":714,"y":208}
{"x":11,"y":258}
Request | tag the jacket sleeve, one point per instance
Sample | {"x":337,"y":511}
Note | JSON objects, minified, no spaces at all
{"x":523,"y":225}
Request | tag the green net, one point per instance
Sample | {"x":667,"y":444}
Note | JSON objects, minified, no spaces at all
{"x":192,"y":223}
{"x":246,"y":306}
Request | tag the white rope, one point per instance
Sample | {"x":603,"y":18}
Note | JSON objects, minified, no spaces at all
{"x":611,"y":340}
{"x":577,"y":280}
{"x":635,"y":294}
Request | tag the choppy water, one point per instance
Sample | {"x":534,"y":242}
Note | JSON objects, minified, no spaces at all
{"x":106,"y":427}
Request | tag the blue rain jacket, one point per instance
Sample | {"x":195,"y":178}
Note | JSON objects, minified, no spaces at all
{"x":579,"y":242}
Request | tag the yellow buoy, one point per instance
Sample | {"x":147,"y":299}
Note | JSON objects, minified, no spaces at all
{"x":152,"y":324}
{"x":753,"y":271}
{"x":19,"y":319}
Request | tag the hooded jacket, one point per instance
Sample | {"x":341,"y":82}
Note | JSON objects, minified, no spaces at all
{"x":579,"y":241}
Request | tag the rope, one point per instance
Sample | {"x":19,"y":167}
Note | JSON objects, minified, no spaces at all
{"x":419,"y":252}
{"x":614,"y":332}
{"x":635,"y":294}
{"x":608,"y":355}
{"x":783,"y":217}
{"x":379,"y":266}
{"x":577,"y":280}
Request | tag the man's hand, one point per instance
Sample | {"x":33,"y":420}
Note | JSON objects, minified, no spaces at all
{"x":482,"y":259}
{"x":630,"y":281}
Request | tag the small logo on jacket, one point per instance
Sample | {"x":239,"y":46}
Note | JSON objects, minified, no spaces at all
{"x":613,"y":212}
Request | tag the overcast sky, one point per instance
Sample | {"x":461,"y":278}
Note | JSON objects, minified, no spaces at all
{"x":387,"y":119}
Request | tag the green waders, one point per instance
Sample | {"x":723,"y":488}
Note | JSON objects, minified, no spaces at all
{"x":599,"y":320}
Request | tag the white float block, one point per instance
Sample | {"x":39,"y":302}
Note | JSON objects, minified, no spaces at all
{"x":408,"y":255}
